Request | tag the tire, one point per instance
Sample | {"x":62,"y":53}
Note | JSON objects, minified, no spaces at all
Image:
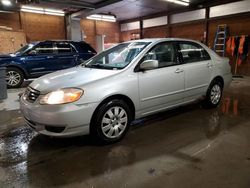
{"x":213,"y":95}
{"x":111,"y":122}
{"x":14,"y":77}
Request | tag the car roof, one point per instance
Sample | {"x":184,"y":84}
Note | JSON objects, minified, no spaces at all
{"x":161,"y":40}
{"x":71,"y":41}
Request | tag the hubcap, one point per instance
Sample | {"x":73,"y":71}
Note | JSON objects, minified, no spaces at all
{"x":114,"y":122}
{"x":13,"y":78}
{"x":215,"y":94}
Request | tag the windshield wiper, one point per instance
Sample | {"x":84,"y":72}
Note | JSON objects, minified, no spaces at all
{"x":98,"y":66}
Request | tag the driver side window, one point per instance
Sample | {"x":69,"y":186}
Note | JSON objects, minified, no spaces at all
{"x":164,"y":53}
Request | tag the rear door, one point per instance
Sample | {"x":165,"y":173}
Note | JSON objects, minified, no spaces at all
{"x":164,"y":86}
{"x":66,"y":56}
{"x":197,"y":66}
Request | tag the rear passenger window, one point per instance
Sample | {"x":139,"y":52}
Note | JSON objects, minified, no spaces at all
{"x":86,"y":47}
{"x":64,"y":48}
{"x":192,"y":52}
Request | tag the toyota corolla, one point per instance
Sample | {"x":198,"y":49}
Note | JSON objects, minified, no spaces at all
{"x":131,"y":80}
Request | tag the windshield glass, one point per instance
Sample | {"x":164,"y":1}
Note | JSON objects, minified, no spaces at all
{"x":117,"y":57}
{"x":24,"y":49}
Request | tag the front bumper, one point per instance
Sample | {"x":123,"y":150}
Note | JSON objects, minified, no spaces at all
{"x":64,"y":120}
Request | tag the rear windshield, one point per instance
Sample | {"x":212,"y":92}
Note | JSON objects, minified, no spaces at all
{"x":86,"y":47}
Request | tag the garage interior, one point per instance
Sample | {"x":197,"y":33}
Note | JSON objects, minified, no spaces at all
{"x":185,"y":147}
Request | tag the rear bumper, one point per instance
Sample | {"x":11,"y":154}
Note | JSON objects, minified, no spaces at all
{"x":227,"y":80}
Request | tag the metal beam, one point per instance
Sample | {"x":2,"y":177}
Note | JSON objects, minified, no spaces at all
{"x":72,"y":3}
{"x":106,"y":3}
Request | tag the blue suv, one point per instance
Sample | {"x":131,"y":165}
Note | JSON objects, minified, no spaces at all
{"x":40,"y":58}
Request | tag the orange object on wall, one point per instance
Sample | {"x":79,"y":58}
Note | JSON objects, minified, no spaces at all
{"x":228,"y":45}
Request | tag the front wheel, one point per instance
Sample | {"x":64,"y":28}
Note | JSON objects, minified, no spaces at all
{"x":214,"y":94}
{"x":112,"y":121}
{"x":14,"y":77}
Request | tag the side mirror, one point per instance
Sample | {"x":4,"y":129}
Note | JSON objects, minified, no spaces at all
{"x":149,"y":64}
{"x":33,"y":52}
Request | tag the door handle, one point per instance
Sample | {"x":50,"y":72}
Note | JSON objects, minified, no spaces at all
{"x":178,"y":70}
{"x":50,"y":57}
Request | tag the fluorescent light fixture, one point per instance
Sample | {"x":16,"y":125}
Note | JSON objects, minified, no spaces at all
{"x":32,"y":8}
{"x":39,"y":10}
{"x":6,"y":2}
{"x":180,"y":2}
{"x":102,"y":17}
{"x":32,"y":11}
{"x":54,"y":13}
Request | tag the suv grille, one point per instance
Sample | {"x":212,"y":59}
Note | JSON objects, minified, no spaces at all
{"x":31,"y":94}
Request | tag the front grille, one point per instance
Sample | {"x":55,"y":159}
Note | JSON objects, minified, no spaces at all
{"x":31,"y":94}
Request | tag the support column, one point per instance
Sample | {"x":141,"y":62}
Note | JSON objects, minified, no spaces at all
{"x":206,"y":26}
{"x":73,"y":28}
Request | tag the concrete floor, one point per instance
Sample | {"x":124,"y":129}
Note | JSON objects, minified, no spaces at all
{"x":186,"y":147}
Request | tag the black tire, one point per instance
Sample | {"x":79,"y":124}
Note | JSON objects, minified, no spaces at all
{"x":17,"y":80}
{"x":98,"y":124}
{"x":211,"y":101}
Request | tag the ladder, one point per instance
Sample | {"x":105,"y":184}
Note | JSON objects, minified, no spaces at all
{"x":220,"y":40}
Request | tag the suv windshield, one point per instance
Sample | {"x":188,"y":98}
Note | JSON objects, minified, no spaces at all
{"x":117,"y":57}
{"x":24,"y":49}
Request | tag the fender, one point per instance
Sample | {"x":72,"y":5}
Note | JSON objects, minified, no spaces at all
{"x":19,"y":67}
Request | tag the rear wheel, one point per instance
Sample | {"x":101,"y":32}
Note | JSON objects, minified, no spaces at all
{"x":214,"y":94}
{"x":14,"y":77}
{"x":111,"y":122}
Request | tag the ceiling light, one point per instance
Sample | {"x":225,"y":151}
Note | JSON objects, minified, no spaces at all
{"x":180,"y":2}
{"x":39,"y":10}
{"x":6,"y":2}
{"x":32,"y":11}
{"x":102,"y":17}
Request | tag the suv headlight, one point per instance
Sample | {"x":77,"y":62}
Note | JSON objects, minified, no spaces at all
{"x":62,"y":96}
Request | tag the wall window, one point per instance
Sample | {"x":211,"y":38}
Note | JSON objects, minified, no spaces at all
{"x":192,"y":52}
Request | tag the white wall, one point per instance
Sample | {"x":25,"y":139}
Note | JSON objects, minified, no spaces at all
{"x":230,"y":8}
{"x":130,"y":26}
{"x":155,"y":22}
{"x":188,"y":16}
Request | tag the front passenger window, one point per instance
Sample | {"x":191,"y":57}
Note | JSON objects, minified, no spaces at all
{"x":164,"y":53}
{"x":45,"y":48}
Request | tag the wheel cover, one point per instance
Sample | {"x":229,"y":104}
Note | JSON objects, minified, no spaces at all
{"x":215,"y":94}
{"x":114,"y":122}
{"x":13,"y":78}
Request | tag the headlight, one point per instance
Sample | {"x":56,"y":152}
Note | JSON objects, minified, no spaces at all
{"x":62,"y":96}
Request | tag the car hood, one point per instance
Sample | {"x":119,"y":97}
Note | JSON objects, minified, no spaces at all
{"x":7,"y":56}
{"x":73,"y":77}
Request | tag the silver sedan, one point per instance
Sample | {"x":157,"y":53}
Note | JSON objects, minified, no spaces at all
{"x":131,"y":80}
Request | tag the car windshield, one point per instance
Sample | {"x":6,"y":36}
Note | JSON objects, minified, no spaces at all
{"x":117,"y":57}
{"x":24,"y":49}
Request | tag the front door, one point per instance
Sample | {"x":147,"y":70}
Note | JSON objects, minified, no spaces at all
{"x":40,"y":60}
{"x":161,"y":87}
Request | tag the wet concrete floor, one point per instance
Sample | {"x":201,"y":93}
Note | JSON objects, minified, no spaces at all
{"x":186,"y":147}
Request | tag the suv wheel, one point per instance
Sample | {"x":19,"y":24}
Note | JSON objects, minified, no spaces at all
{"x":14,"y":77}
{"x":214,"y":94}
{"x":112,"y":121}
